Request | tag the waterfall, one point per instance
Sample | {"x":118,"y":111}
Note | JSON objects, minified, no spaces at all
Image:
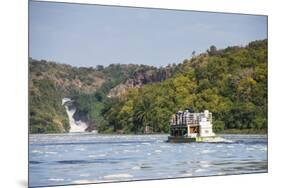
{"x":75,"y":126}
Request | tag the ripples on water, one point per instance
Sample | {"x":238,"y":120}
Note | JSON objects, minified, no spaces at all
{"x":89,"y":158}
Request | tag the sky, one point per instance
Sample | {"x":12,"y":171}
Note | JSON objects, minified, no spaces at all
{"x":90,"y":35}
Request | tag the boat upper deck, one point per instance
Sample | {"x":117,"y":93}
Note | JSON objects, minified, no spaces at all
{"x":187,"y":118}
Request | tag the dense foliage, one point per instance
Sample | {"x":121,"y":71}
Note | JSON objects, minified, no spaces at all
{"x":231,"y":83}
{"x":47,"y":115}
{"x":95,"y":103}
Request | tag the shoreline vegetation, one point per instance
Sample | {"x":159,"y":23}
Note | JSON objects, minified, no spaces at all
{"x":127,"y":98}
{"x":228,"y":131}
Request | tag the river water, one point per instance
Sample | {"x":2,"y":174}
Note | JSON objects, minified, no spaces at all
{"x":60,"y":159}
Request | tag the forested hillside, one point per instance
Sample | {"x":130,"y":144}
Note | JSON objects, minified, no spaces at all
{"x":50,"y":82}
{"x":231,"y":83}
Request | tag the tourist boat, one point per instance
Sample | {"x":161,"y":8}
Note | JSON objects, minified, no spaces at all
{"x":187,"y":126}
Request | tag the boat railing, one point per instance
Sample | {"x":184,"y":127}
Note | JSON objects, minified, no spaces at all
{"x":190,"y":118}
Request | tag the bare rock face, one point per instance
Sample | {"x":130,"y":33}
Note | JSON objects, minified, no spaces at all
{"x":139,"y":79}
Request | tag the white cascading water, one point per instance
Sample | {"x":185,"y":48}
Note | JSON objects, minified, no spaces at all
{"x":75,"y":126}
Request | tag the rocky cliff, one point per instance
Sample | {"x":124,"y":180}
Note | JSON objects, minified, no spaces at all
{"x":142,"y":77}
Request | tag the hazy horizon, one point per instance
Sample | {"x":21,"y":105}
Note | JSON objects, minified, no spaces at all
{"x":94,"y":65}
{"x":90,"y":35}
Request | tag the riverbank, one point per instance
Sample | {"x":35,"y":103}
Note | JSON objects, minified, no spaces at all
{"x":226,"y":131}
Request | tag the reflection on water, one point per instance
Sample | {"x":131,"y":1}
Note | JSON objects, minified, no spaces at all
{"x":89,"y":158}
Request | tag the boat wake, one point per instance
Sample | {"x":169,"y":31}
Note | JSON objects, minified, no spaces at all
{"x":217,"y":140}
